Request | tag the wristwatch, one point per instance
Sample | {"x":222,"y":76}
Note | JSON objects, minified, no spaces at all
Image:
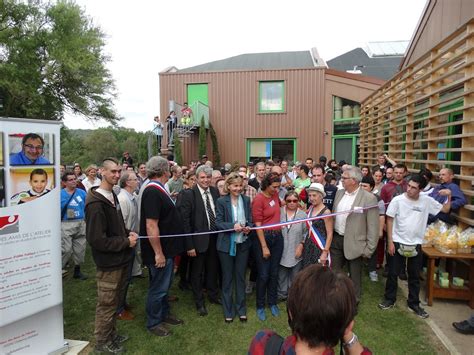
{"x":351,"y":342}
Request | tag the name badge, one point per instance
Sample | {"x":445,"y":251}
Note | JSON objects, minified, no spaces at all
{"x":272,"y":203}
{"x":358,"y":210}
{"x":417,"y":209}
{"x":70,"y":213}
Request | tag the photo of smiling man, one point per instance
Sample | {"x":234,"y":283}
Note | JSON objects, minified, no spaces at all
{"x":32,"y":151}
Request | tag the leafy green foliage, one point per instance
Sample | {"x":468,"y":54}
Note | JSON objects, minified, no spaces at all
{"x":216,"y":156}
{"x":92,"y":146}
{"x":52,"y":62}
{"x":178,"y":149}
{"x":202,"y":146}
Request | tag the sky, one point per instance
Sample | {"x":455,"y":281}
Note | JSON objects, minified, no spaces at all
{"x":146,"y":36}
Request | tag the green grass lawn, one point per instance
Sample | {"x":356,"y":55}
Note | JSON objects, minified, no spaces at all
{"x":394,"y":331}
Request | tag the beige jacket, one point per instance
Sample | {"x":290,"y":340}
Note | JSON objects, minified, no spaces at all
{"x":362,"y":229}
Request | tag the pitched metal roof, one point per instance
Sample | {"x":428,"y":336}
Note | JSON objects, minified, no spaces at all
{"x":257,"y":61}
{"x":382,"y":67}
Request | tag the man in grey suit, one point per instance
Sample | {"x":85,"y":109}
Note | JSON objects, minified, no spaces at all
{"x":355,"y":233}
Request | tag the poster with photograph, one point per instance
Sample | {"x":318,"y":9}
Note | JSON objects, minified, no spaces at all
{"x":30,"y":183}
{"x":30,"y":239}
{"x":31,"y":148}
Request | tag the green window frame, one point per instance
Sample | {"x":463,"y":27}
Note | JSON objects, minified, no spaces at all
{"x":269,"y":142}
{"x":271,"y":96}
{"x":354,"y":153}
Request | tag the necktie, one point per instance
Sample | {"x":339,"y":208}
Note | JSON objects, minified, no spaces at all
{"x":210,"y":213}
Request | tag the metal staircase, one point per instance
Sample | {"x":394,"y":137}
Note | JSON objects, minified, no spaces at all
{"x":185,"y":127}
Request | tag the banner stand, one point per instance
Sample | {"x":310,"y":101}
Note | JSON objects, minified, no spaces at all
{"x":31,"y":302}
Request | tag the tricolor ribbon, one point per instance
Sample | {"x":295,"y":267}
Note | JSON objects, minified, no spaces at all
{"x":159,"y":186}
{"x":316,"y":236}
{"x":269,"y":226}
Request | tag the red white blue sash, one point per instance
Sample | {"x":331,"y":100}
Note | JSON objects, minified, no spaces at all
{"x":316,"y":236}
{"x":159,"y":186}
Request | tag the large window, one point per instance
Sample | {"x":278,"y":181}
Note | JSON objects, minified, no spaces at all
{"x":271,"y":96}
{"x":276,"y":148}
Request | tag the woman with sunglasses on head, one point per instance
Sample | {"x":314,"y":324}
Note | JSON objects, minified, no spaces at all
{"x":317,"y":244}
{"x":233,"y":212}
{"x":293,"y":235}
{"x":268,"y":246}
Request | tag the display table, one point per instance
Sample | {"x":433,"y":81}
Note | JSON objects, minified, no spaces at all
{"x":434,"y":290}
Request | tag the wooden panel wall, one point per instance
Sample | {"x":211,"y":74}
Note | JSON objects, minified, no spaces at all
{"x":441,"y":17}
{"x":409,"y":115}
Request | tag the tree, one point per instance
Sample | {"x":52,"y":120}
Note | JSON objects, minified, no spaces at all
{"x":178,"y":149}
{"x":216,"y":156}
{"x":52,"y":62}
{"x":202,"y":138}
{"x":100,"y":144}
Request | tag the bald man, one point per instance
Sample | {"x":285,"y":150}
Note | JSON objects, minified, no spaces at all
{"x":458,"y":199}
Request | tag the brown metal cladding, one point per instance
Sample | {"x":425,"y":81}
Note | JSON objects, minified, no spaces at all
{"x":233,"y":109}
{"x":440,"y":18}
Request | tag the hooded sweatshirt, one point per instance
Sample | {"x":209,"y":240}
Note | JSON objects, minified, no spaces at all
{"x":106,"y":232}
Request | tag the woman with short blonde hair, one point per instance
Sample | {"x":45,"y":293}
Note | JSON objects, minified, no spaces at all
{"x":233,"y":213}
{"x":91,"y":179}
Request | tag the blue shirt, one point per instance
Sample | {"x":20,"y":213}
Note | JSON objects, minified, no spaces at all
{"x":76,"y":206}
{"x":457,"y":201}
{"x":21,"y":159}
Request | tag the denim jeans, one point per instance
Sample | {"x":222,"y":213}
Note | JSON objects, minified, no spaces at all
{"x":413,"y":269}
{"x":286,"y":275}
{"x":267,"y":269}
{"x":157,"y":306}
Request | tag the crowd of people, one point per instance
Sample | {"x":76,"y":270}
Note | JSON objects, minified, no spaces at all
{"x":209,"y":226}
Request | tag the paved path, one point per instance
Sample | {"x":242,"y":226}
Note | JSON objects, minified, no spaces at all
{"x":442,"y":314}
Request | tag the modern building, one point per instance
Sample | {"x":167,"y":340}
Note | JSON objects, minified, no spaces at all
{"x":286,"y":105}
{"x":424,"y":115}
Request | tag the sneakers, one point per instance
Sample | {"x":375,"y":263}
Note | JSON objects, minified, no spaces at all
{"x":249,"y":287}
{"x":109,"y":348}
{"x":420,"y":312}
{"x":172,"y":320}
{"x":261,"y":314}
{"x":386,"y":304}
{"x":374,"y":277}
{"x":275,"y":310}
{"x":119,"y":339}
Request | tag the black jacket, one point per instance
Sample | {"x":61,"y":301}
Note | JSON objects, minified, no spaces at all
{"x":193,"y":211}
{"x":106,"y":232}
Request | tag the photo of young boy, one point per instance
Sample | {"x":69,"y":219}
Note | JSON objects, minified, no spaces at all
{"x":38,"y":187}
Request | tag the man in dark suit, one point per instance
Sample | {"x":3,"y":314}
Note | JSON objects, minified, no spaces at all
{"x":198,"y":210}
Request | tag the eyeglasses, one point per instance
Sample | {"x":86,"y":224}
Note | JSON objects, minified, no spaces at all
{"x":291,"y":201}
{"x":33,"y":147}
